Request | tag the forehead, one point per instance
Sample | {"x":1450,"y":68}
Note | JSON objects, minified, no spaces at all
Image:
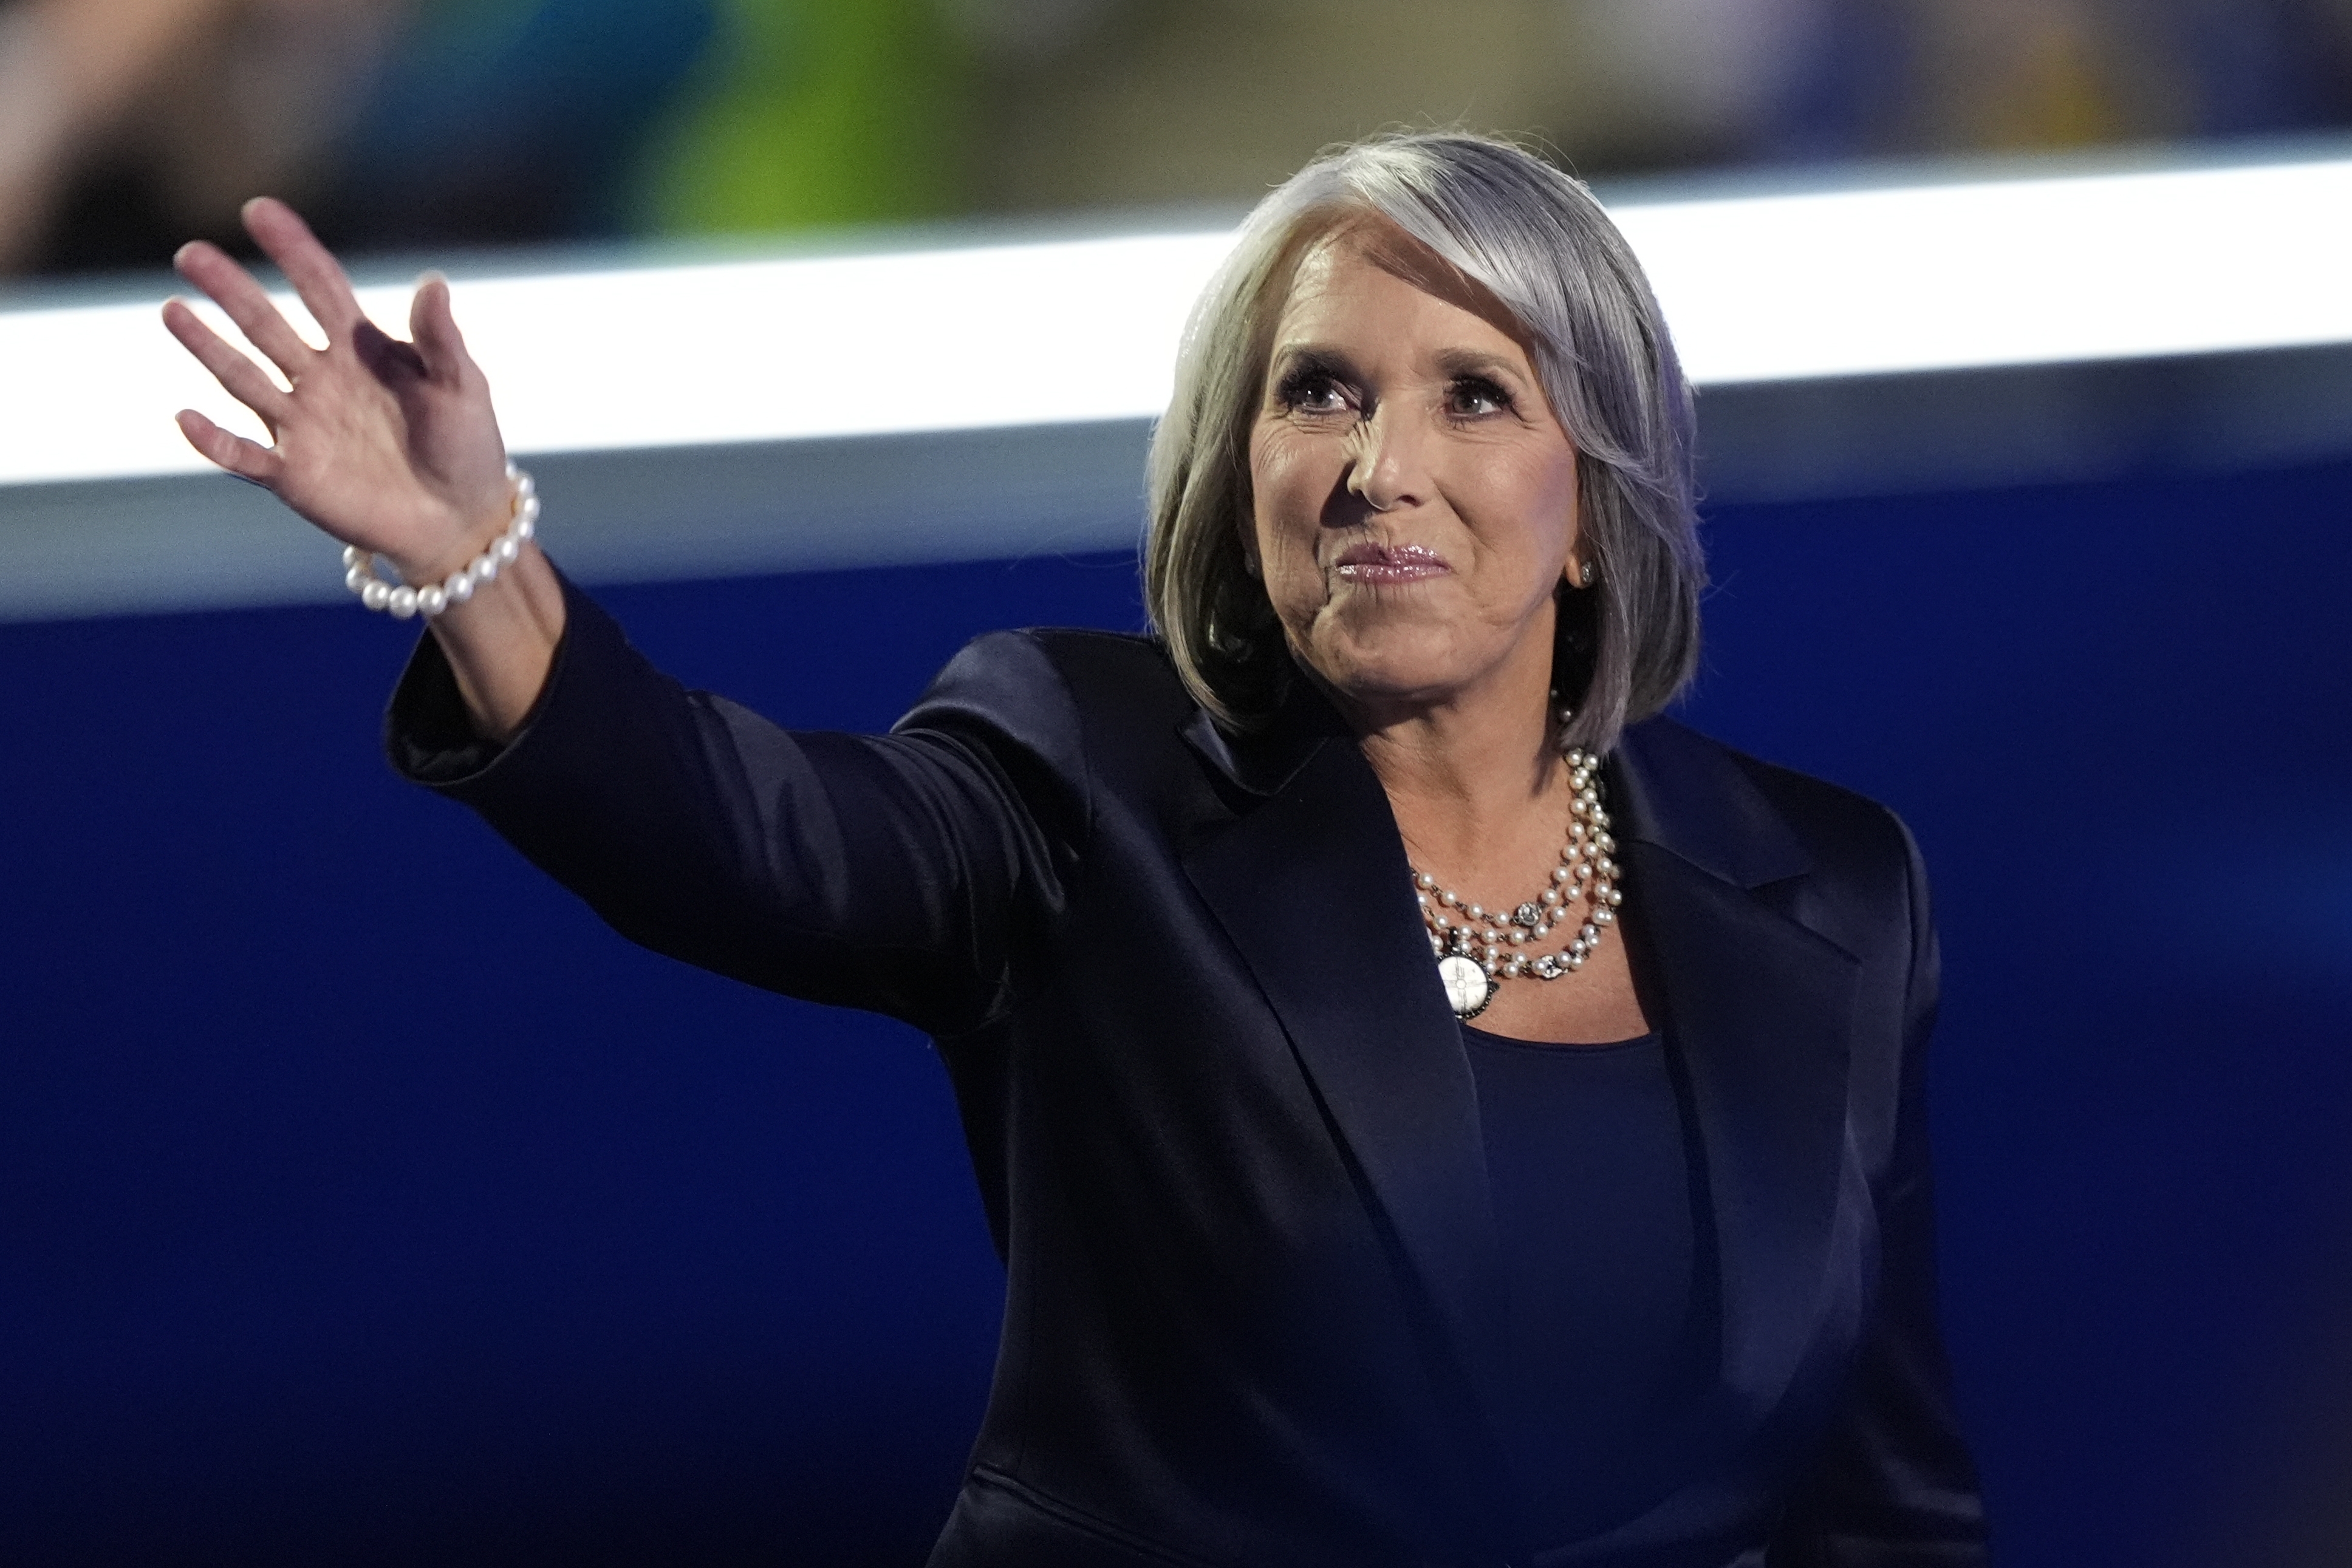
{"x":1369,"y":275}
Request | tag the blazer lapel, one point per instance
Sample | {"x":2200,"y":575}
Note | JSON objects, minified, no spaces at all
{"x":1759,"y":1010}
{"x":1313,"y":865}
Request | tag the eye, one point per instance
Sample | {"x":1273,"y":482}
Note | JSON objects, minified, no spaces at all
{"x":1311,"y":390}
{"x":1469,"y":397}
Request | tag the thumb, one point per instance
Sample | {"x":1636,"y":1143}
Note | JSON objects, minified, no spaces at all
{"x":434,"y":330}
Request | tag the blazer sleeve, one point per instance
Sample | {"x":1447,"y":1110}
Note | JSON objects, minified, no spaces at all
{"x":1894,"y":1486}
{"x":909,"y":874}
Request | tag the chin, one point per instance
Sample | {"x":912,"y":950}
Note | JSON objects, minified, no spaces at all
{"x":1388,"y":664}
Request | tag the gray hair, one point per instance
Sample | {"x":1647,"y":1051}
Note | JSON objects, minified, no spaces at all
{"x":1538,"y":242}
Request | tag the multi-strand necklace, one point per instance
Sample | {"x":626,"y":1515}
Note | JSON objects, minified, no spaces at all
{"x":1477,"y":948}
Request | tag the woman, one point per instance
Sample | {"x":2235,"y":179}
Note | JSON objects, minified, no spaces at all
{"x":1305,"y":1266}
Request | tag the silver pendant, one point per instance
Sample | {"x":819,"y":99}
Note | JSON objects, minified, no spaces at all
{"x":1467,"y":986}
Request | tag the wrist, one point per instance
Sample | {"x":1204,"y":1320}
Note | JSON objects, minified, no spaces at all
{"x":429,"y":590}
{"x":474,"y":529}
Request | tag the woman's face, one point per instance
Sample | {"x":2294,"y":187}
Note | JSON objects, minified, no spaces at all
{"x":1414,"y":499}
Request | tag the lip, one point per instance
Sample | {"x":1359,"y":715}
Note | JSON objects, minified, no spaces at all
{"x":1369,"y":562}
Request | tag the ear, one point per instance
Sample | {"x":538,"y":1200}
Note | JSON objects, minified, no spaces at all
{"x":1580,"y":573}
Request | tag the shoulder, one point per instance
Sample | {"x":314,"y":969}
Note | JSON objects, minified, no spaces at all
{"x":1132,"y":664}
{"x":1083,"y":677}
{"x":1758,"y":822}
{"x":1695,"y":778}
{"x":1062,"y":652}
{"x":1064,"y":705}
{"x":1817,"y":807}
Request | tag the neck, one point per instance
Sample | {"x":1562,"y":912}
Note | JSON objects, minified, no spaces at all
{"x":1471,"y":777}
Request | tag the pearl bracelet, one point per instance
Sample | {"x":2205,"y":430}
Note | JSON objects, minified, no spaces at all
{"x":401,"y":602}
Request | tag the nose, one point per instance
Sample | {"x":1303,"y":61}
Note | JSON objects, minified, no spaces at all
{"x":1386,"y":470}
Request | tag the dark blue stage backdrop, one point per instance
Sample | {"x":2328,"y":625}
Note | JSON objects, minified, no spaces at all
{"x":366,"y":1201}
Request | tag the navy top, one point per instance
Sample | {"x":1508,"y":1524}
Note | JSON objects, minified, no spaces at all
{"x":1592,"y":1191}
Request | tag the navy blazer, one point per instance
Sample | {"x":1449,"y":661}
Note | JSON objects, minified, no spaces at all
{"x":1219,"y":1110}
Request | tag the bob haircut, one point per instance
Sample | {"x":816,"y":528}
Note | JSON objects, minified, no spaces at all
{"x":1534,"y":239}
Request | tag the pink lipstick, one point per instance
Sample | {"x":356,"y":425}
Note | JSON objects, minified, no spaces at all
{"x":1370,"y":562}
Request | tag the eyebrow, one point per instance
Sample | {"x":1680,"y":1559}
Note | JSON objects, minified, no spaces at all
{"x":1314,"y":356}
{"x":1470,"y":362}
{"x":1452,"y":361}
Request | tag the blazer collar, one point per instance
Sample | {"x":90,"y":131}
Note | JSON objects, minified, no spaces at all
{"x":1673,"y":787}
{"x":1261,"y":761}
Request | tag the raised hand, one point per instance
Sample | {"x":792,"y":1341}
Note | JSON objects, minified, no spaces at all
{"x":389,"y":445}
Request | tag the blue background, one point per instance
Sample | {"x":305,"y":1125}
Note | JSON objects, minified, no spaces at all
{"x":364,"y":1199}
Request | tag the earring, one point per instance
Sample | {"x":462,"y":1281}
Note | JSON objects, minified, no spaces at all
{"x":1585,"y":574}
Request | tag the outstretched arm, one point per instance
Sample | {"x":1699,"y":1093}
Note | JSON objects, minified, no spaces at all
{"x":389,"y":445}
{"x":906,"y":874}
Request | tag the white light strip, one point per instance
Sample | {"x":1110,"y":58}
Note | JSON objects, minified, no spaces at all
{"x":1756,"y":289}
{"x":2018,"y":272}
{"x":771,"y":351}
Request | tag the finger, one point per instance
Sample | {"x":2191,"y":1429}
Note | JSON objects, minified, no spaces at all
{"x":246,"y":459}
{"x":433,"y":326}
{"x":239,"y":376}
{"x":233,"y":288}
{"x":389,"y":360}
{"x":308,"y":266}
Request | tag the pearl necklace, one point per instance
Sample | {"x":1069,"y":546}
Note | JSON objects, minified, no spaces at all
{"x":1477,"y":948}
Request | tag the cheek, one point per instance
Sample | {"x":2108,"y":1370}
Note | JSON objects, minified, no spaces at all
{"x":1286,"y":494}
{"x":1279,"y":463}
{"x":1288,"y":488}
{"x":1536,"y":503}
